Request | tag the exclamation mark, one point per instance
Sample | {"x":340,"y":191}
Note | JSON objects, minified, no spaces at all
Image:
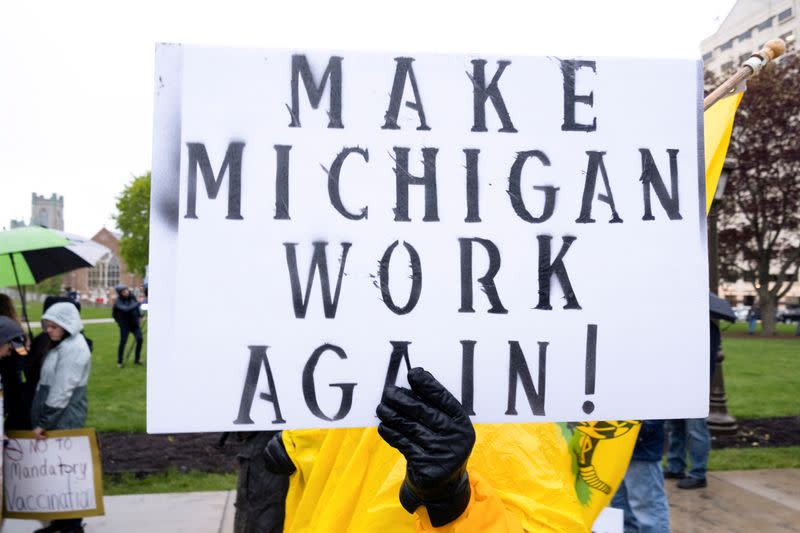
{"x":591,"y":363}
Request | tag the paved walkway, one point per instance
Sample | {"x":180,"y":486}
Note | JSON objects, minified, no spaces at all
{"x":97,"y":321}
{"x":762,"y":501}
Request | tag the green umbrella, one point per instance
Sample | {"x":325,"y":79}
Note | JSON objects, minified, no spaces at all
{"x":29,"y":255}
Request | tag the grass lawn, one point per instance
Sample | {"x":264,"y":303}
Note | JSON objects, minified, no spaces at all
{"x":88,"y":311}
{"x":754,"y":458}
{"x":116,"y":395}
{"x":781,"y":329}
{"x":172,"y":481}
{"x":762,"y":376}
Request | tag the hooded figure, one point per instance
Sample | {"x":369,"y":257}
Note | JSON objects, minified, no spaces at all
{"x":60,"y":401}
{"x":127,"y":314}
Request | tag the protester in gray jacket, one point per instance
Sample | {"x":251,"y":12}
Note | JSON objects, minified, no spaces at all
{"x":60,"y":401}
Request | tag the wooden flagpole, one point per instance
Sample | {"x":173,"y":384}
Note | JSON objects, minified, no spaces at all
{"x":772,"y":49}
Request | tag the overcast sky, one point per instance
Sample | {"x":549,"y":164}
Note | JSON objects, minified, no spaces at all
{"x":76,"y":78}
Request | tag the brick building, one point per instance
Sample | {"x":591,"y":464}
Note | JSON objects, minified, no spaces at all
{"x":97,"y":284}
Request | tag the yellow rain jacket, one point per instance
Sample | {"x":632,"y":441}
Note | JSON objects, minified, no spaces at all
{"x":524,"y":477}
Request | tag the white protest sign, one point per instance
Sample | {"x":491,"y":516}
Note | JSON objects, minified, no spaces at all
{"x":59,"y":477}
{"x":529,"y":229}
{"x":610,"y":520}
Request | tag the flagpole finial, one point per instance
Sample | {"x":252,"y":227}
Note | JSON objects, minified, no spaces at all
{"x":772,"y":49}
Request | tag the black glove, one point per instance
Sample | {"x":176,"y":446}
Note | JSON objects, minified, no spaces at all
{"x":432,"y":430}
{"x":277,"y":458}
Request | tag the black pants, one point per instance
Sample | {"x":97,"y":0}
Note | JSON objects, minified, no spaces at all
{"x":124,"y":330}
{"x":67,"y":524}
{"x":260,"y":494}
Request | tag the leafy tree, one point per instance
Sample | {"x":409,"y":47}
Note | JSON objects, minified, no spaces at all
{"x":50,"y":286}
{"x":759,"y":217}
{"x":133,"y":220}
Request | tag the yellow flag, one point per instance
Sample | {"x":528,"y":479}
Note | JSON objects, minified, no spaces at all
{"x":718,"y":126}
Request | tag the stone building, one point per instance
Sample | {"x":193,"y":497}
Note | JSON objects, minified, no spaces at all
{"x":45,"y":212}
{"x":97,"y":284}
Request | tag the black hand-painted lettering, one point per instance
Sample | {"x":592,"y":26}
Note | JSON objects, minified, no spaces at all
{"x":310,"y":391}
{"x":399,"y":354}
{"x":402,"y":71}
{"x":198,"y":156}
{"x":480,"y":93}
{"x":282,"y":182}
{"x":334,"y":192}
{"x":596,"y":164}
{"x":473,"y":210}
{"x":319,"y":261}
{"x":569,"y":68}
{"x":651,"y":177}
{"x":416,"y":279}
{"x":515,"y":188}
{"x":403,"y":179}
{"x":468,"y":376}
{"x":486,"y":281}
{"x":301,"y":68}
{"x":258,"y":356}
{"x":557,"y":268}
{"x":518,"y":371}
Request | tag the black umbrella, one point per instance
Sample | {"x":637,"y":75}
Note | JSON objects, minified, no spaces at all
{"x":720,"y":309}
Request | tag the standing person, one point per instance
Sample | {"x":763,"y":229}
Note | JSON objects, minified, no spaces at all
{"x":12,"y":338}
{"x":641,"y":495}
{"x":61,"y":401}
{"x":127,"y":314}
{"x":752,"y":318}
{"x":11,"y":373}
{"x":692,"y":435}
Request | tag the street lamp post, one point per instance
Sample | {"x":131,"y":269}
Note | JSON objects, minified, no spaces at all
{"x":720,"y":422}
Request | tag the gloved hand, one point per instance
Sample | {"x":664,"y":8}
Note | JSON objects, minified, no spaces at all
{"x":432,"y":430}
{"x":277,"y":458}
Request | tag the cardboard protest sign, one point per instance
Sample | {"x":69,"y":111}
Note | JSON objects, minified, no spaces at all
{"x":529,"y":229}
{"x":59,"y":477}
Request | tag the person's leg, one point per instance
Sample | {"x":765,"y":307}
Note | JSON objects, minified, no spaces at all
{"x":137,"y":334}
{"x":699,"y":443}
{"x":620,"y":501}
{"x":647,"y":498}
{"x":68,"y":525}
{"x":676,"y":451}
{"x":123,"y":339}
{"x":260,"y":495}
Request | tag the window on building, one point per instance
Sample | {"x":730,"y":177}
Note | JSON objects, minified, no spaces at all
{"x":789,"y":38}
{"x":786,"y":14}
{"x":727,"y":66}
{"x":745,"y":35}
{"x":726,"y":46}
{"x":112,"y":274}
{"x":708,"y":56}
{"x":98,"y":275}
{"x":764,"y":25}
{"x":744,"y":57}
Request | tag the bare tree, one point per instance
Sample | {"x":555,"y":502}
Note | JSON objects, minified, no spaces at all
{"x":759,"y":218}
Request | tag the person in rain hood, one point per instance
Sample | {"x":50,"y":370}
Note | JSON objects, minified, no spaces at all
{"x":60,"y":401}
{"x":127,"y":314}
